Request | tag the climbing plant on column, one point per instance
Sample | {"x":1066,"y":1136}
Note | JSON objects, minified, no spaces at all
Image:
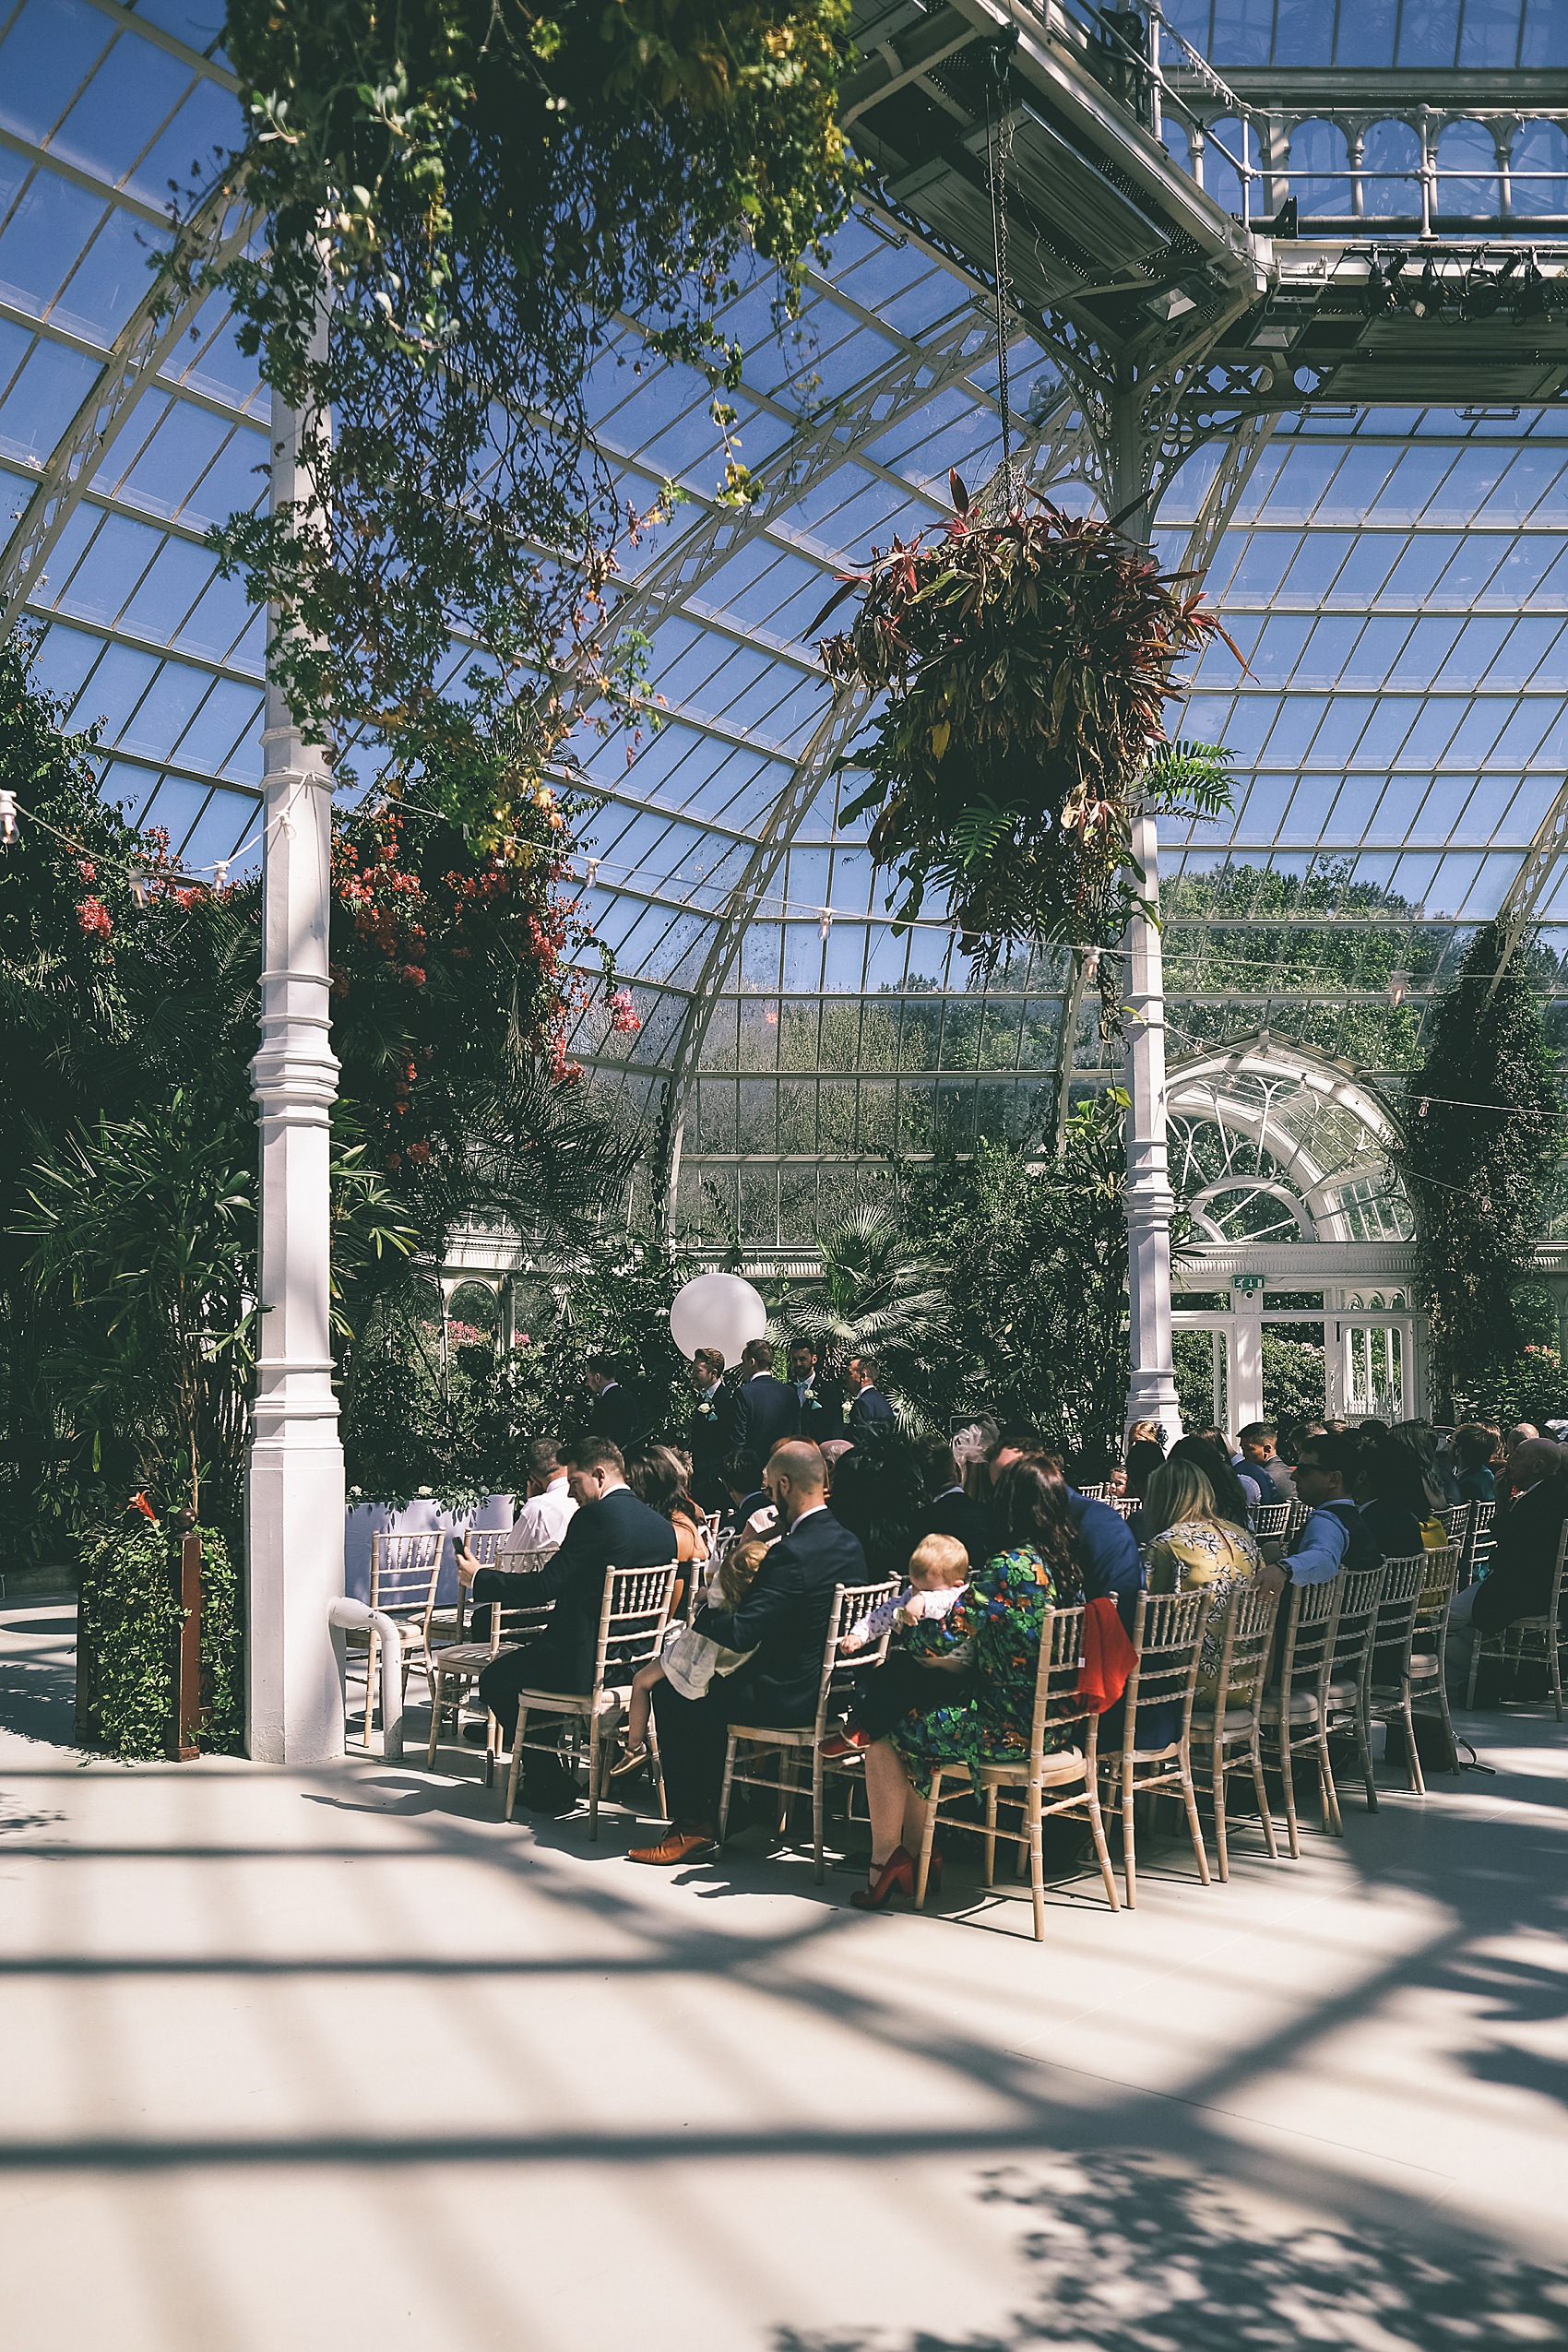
{"x":1480,"y":1136}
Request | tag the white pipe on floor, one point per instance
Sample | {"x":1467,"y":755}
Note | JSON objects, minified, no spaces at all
{"x":356,"y":1616}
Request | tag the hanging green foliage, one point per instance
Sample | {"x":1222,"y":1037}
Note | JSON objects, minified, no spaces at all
{"x":465,"y":204}
{"x":1481,"y":1133}
{"x":1026,"y":663}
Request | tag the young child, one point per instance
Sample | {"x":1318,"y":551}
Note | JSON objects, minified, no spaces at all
{"x":938,"y":1573}
{"x":690,"y":1659}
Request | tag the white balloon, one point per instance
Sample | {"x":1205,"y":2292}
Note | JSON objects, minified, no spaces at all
{"x":717,"y":1311}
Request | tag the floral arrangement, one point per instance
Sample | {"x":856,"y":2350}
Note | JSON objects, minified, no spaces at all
{"x":1027,"y":662}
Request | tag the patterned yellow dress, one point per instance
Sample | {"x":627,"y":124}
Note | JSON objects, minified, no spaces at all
{"x":988,"y":1718}
{"x":1213,"y":1552}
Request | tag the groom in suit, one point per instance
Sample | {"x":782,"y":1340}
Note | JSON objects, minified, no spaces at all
{"x":819,"y":1406}
{"x":783,"y":1622}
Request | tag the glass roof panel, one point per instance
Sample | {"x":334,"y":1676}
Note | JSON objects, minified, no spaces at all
{"x":1395,"y":578}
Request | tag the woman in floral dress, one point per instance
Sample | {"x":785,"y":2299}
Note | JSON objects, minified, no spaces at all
{"x":989,"y":1642}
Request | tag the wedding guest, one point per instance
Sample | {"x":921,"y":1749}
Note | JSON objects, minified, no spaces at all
{"x":710,"y":1431}
{"x":948,"y":1511}
{"x":1518,"y":1583}
{"x":657,"y":1477}
{"x":1145,"y":1455}
{"x":1391,"y":1495}
{"x":766,"y":1410}
{"x":537,"y":1528}
{"x":819,"y":1402}
{"x":783,"y":1620}
{"x":1333,"y":1535}
{"x":611,"y":1529}
{"x":689,"y":1659}
{"x":1199,"y":1543}
{"x":742,"y":1474}
{"x":988,"y":1718}
{"x":1442,"y":1486}
{"x":545,"y":1515}
{"x":905,"y":1682}
{"x":1471,"y":1448}
{"x":1260,"y":1458}
{"x":876,"y":1494}
{"x":1236,"y":1495}
{"x":1013,"y":1442}
{"x":614,"y":1412}
{"x":869,"y":1408}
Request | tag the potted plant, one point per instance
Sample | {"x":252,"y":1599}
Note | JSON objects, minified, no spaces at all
{"x":1026,"y":659}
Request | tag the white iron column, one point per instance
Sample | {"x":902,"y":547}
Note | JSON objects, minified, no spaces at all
{"x":294,"y":1711}
{"x":1152,"y":1391}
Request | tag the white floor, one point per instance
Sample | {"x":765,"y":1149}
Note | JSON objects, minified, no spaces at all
{"x":311,"y":2060}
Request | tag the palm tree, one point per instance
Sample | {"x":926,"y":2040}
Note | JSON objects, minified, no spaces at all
{"x":876,"y":1294}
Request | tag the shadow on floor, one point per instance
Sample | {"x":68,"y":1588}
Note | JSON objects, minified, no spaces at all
{"x":1139,"y":2256}
{"x":38,"y":1669}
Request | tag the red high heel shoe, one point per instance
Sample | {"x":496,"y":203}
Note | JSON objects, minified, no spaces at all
{"x":896,"y":1876}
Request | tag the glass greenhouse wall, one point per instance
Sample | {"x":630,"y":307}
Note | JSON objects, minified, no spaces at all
{"x":1396,"y":579}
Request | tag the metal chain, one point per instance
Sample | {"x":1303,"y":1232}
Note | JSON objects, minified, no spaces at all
{"x":999,"y":155}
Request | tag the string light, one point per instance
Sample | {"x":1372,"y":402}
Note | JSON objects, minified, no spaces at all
{"x":7,"y":817}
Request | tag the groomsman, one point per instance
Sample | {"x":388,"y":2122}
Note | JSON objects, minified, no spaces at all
{"x":819,"y":1402}
{"x":614,"y":1415}
{"x":710,"y":1432}
{"x":766,"y":1410}
{"x":869,"y":1408}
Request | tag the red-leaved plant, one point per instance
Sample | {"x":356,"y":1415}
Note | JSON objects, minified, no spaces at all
{"x":1027,"y":661}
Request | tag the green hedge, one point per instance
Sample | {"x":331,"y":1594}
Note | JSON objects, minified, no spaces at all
{"x":127,"y":1642}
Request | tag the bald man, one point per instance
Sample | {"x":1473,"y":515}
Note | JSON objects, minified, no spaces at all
{"x":1519,"y":1581}
{"x":783,"y":1623}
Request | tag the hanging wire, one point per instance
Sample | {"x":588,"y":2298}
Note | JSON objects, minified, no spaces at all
{"x":999,"y":155}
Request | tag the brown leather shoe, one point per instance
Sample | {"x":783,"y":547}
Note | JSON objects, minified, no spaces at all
{"x":676,"y":1846}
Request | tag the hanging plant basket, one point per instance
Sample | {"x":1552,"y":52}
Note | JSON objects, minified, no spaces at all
{"x":1028,"y":664}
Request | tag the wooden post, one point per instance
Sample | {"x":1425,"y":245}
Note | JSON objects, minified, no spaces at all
{"x":187,"y":1672}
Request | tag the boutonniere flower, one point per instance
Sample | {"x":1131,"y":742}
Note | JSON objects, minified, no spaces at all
{"x":706,"y":1411}
{"x":809,"y":1396}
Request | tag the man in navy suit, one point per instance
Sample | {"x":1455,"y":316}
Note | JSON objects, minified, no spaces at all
{"x":819,"y":1402}
{"x":610,"y":1528}
{"x":783,"y":1622}
{"x":869,"y":1408}
{"x":710,"y":1432}
{"x":766,"y":1410}
{"x":614,"y":1413}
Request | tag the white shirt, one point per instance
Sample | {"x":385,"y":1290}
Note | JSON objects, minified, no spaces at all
{"x":542,"y":1522}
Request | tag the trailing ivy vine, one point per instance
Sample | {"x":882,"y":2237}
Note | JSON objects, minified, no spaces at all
{"x":466,"y":203}
{"x":1481,"y":1135}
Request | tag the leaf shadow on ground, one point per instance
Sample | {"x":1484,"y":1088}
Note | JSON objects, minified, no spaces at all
{"x":1129,"y":2254}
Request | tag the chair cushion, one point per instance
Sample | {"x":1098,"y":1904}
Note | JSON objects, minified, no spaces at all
{"x":1236,"y":1720}
{"x":772,"y":1735}
{"x":1059,"y":1764}
{"x":567,"y":1702}
{"x":463,"y":1658}
{"x":1303,"y":1707}
{"x":1424,"y":1665}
